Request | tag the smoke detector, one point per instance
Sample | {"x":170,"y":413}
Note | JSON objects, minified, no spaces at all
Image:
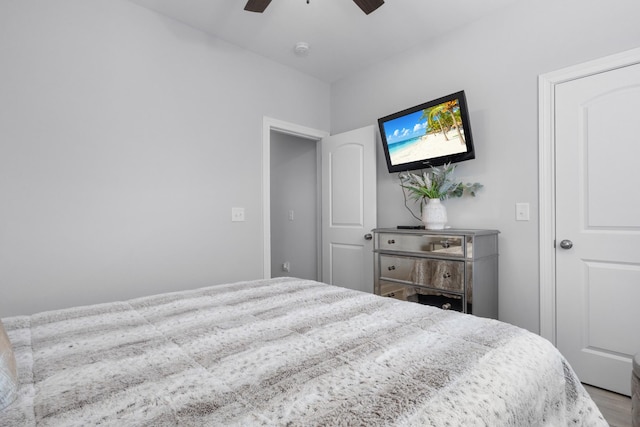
{"x":301,"y":49}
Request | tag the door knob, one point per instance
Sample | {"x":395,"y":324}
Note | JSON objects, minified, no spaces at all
{"x":566,"y":244}
{"x":368,"y":236}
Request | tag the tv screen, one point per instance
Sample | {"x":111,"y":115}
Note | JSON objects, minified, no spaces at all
{"x":429,"y":134}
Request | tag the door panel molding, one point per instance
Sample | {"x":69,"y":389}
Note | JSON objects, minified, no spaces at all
{"x":345,"y":210}
{"x":546,"y":174}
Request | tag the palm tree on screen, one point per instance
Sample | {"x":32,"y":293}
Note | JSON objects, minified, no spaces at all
{"x":444,"y":112}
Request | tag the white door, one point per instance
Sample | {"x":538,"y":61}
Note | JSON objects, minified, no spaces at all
{"x":597,"y":152}
{"x":348,"y":208}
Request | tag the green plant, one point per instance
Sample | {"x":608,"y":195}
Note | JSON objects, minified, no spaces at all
{"x":436,"y":183}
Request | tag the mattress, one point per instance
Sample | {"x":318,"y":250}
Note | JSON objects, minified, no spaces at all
{"x":285,"y":352}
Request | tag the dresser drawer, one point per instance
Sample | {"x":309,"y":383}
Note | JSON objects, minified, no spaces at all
{"x":421,"y":295}
{"x":433,"y":273}
{"x":432,"y":244}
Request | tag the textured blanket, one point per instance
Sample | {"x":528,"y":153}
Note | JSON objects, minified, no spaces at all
{"x":285,"y":352}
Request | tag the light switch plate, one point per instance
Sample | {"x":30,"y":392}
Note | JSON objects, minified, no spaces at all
{"x":522,"y":211}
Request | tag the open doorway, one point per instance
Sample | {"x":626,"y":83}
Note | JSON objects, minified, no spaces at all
{"x":346,"y":202}
{"x":307,"y":137}
{"x":294,"y":207}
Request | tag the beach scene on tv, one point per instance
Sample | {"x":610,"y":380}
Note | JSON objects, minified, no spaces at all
{"x":425,"y":134}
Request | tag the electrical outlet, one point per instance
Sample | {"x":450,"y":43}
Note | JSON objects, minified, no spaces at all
{"x":291,"y":215}
{"x":237,"y":214}
{"x":286,"y":266}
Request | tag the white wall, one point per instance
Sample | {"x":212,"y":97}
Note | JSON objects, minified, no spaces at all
{"x":497,"y":62}
{"x":294,"y":187}
{"x":125,"y":139}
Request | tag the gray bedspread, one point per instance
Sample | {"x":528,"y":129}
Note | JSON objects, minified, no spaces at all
{"x":285,"y":352}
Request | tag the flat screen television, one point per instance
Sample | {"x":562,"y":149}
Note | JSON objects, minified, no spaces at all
{"x":429,"y":134}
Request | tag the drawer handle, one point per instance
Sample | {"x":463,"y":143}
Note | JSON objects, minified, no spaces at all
{"x":391,"y":267}
{"x":391,"y":295}
{"x":445,"y":243}
{"x":446,"y":275}
{"x":446,"y":306}
{"x":391,"y":241}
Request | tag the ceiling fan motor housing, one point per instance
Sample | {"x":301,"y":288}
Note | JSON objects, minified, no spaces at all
{"x":367,"y":6}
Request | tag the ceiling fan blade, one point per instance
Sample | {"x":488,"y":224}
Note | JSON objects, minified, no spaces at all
{"x":257,"y":5}
{"x":368,"y":6}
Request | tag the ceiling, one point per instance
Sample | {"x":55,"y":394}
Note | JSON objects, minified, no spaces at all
{"x":342,"y":39}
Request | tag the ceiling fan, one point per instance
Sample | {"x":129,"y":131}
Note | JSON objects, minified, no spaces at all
{"x":367,"y":6}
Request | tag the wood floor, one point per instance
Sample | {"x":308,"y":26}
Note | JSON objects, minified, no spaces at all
{"x":615,"y":407}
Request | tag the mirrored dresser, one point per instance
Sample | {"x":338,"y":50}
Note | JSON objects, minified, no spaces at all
{"x":454,"y":269}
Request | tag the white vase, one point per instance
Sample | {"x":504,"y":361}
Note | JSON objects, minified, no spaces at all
{"x":434,"y":214}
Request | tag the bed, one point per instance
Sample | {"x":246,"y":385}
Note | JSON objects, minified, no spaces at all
{"x":285,"y":352}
